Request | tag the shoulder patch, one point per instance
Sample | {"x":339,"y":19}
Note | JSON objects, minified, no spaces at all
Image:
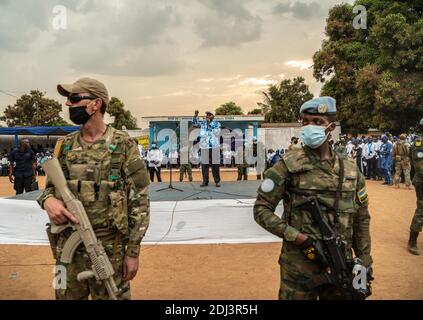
{"x":362,"y":195}
{"x":267,"y":185}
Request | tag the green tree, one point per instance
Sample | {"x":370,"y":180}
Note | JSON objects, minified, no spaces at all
{"x":34,"y":109}
{"x":122,"y":117}
{"x":229,"y":108}
{"x":282,"y":102}
{"x":256,"y":111}
{"x":375,"y":74}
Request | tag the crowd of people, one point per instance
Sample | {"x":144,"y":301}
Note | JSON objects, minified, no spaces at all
{"x":383,"y":157}
{"x":41,"y":154}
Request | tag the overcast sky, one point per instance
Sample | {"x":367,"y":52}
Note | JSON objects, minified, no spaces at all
{"x":160,"y":57}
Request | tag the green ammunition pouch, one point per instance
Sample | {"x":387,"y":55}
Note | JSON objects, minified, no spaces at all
{"x":398,"y":158}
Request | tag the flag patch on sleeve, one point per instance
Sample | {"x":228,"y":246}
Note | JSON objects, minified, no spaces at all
{"x":362,"y":195}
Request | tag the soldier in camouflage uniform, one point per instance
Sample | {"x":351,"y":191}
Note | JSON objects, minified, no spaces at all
{"x":255,"y":154}
{"x":416,"y":157}
{"x":185,"y":168}
{"x":341,"y":147}
{"x":185,"y":164}
{"x":241,"y":163}
{"x":105,"y":172}
{"x":401,"y":156}
{"x":338,"y":185}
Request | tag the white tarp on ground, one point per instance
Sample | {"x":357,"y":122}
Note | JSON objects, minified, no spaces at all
{"x":171,"y":222}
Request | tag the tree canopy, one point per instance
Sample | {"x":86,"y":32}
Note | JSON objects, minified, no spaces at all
{"x":229,"y":108}
{"x":256,"y":111}
{"x":282,"y":102}
{"x":123,"y":118}
{"x":34,"y":109}
{"x":375,"y":74}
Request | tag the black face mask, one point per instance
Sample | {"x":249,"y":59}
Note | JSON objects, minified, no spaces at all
{"x":79,"y":115}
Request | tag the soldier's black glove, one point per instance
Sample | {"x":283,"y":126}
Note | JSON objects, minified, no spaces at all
{"x":313,"y":251}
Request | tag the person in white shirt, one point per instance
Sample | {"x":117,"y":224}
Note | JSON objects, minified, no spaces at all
{"x":173,"y":157}
{"x":369,"y":155}
{"x":4,"y":165}
{"x":194,"y":156}
{"x":141,"y":151}
{"x":154,"y":159}
{"x":350,"y":148}
{"x":227,"y":157}
{"x":378,"y":144}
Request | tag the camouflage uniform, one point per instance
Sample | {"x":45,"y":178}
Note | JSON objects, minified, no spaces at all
{"x":255,"y":154}
{"x":402,"y":162}
{"x":185,"y":168}
{"x":241,"y":164}
{"x":111,"y":181}
{"x":416,"y":156}
{"x":302,"y":171}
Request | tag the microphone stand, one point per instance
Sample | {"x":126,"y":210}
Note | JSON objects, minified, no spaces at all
{"x":170,"y":186}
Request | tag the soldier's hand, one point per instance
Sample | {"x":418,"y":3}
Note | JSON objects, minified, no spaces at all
{"x":130,"y":268}
{"x":57,"y":211}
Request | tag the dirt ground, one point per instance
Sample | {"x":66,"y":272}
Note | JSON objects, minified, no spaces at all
{"x":243,"y":271}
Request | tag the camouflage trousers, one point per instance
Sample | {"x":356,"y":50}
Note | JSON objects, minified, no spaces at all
{"x":405,"y":167}
{"x":417,"y":222}
{"x":295,"y":270}
{"x":185,"y":168}
{"x":81,"y":290}
{"x":242,"y":172}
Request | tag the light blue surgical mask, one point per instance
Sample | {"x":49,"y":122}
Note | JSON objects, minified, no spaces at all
{"x":313,"y":136}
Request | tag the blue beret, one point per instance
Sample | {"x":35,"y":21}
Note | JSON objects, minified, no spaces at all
{"x":320,"y":105}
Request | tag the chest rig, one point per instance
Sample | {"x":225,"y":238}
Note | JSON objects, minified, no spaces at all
{"x":95,"y":176}
{"x":333,"y":186}
{"x":417,"y":158}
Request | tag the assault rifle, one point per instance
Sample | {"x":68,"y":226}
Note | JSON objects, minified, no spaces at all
{"x":102,"y":269}
{"x":338,"y":271}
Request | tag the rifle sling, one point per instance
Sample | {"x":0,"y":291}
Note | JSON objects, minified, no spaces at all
{"x":339,"y":189}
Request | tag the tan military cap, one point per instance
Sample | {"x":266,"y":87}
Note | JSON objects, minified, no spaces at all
{"x":92,"y":86}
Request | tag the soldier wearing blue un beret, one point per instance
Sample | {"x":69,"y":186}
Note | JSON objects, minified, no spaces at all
{"x":320,"y":105}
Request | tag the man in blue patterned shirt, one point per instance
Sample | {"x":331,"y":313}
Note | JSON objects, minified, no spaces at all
{"x":210,"y":146}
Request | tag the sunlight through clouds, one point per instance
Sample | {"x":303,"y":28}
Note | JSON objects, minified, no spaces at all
{"x":302,"y":65}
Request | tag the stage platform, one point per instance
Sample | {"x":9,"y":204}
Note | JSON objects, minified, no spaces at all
{"x":191,"y":191}
{"x":194,"y":216}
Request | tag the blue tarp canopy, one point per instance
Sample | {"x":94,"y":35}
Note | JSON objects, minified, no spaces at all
{"x":39,"y":131}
